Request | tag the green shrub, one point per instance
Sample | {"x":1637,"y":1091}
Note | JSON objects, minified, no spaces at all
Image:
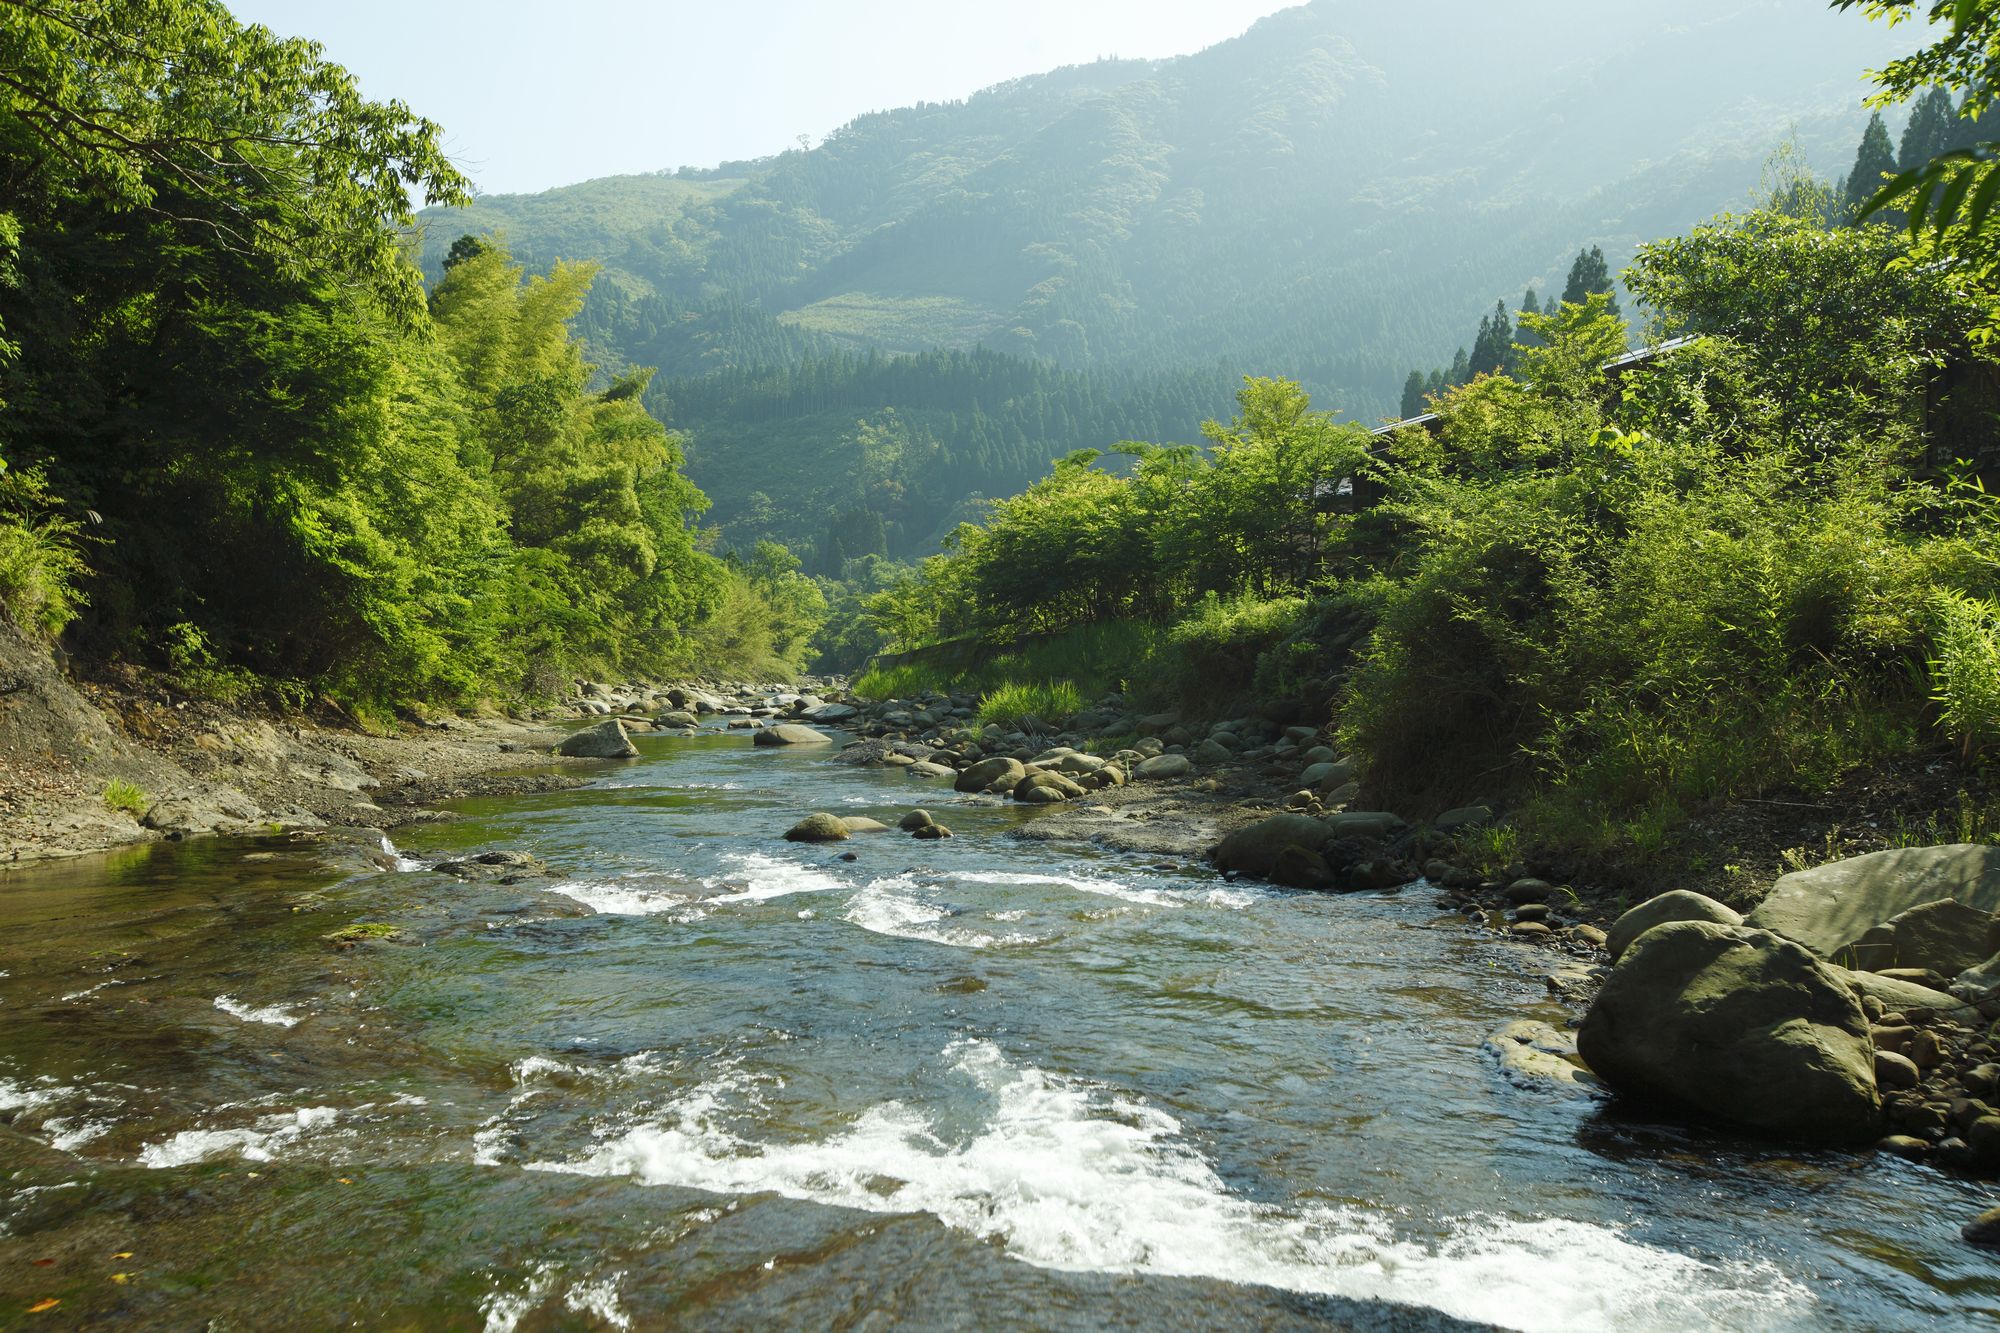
{"x":1965,"y":673}
{"x":1052,"y":702}
{"x":40,"y":564}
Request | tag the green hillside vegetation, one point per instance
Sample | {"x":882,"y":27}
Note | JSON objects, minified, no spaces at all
{"x":245,"y":443}
{"x":1605,"y":605}
{"x":853,"y":455}
{"x":1333,"y":197}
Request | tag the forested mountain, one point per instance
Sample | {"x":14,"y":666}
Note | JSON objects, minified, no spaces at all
{"x":1334,"y":196}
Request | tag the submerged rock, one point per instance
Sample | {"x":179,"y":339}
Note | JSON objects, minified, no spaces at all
{"x":1739,"y":1024}
{"x":1536,"y":1053}
{"x":863,"y":824}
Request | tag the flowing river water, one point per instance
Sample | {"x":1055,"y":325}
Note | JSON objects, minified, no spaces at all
{"x":714,"y":1079}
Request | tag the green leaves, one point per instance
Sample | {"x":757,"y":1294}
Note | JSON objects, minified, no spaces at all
{"x":240,"y":140}
{"x":1954,"y":189}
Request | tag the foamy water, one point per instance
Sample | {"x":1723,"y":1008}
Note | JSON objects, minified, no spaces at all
{"x":262,"y":1141}
{"x":1073,"y":1176}
{"x":903,"y":908}
{"x":277,"y":1015}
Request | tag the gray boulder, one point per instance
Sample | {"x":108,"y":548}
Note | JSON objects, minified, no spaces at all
{"x":1738,"y":1024}
{"x":999,"y":771}
{"x":1464,"y":817}
{"x":1329,"y":775}
{"x":679,"y":718}
{"x":791,"y":733}
{"x":1164,"y":766}
{"x":1678,"y":905}
{"x":829,"y":713}
{"x":606,"y":740}
{"x":1213,"y":752}
{"x":915,"y":820}
{"x":1371,"y":825}
{"x":1830,"y":907}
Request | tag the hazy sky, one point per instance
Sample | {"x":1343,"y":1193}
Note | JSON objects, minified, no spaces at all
{"x":534,"y":95}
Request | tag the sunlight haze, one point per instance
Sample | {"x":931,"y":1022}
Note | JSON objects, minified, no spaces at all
{"x":532,"y":99}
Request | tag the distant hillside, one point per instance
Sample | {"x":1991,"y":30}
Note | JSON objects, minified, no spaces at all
{"x":1337,"y":195}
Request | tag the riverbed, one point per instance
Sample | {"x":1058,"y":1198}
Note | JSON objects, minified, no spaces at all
{"x":703,"y":1077}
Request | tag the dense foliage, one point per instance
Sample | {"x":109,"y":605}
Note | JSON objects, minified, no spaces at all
{"x":294,"y":466}
{"x":1747,"y":565}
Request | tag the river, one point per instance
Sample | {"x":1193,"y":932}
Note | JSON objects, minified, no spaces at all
{"x":713,"y":1079}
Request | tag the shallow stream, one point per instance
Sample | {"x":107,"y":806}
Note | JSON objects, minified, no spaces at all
{"x":714,"y":1079}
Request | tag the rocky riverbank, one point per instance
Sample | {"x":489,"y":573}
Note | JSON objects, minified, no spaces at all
{"x":125,"y":757}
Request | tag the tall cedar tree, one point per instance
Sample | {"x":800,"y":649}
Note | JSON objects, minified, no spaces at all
{"x":1494,"y":347}
{"x":1589,"y":276}
{"x":1413,"y":395}
{"x":1874,"y":162}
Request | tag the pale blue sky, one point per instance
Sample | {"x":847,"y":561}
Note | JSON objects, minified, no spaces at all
{"x":534,"y":94}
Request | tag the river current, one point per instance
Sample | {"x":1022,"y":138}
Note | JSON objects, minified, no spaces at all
{"x":707,"y":1078}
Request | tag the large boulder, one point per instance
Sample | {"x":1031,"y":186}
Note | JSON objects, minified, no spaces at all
{"x":791,"y":733}
{"x":818,"y":828}
{"x":1830,"y":907}
{"x":1946,"y":936}
{"x":679,"y":718}
{"x":999,"y":771}
{"x":1292,"y":843}
{"x":606,"y":740}
{"x":1162,"y":766}
{"x":1741,"y":1025}
{"x":1046,"y":787}
{"x":1678,"y":905}
{"x":829,"y":713}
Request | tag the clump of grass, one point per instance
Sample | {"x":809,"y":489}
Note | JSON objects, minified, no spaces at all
{"x":127,"y":796}
{"x":1051,"y":701}
{"x":1489,"y":849}
{"x":896,"y":682}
